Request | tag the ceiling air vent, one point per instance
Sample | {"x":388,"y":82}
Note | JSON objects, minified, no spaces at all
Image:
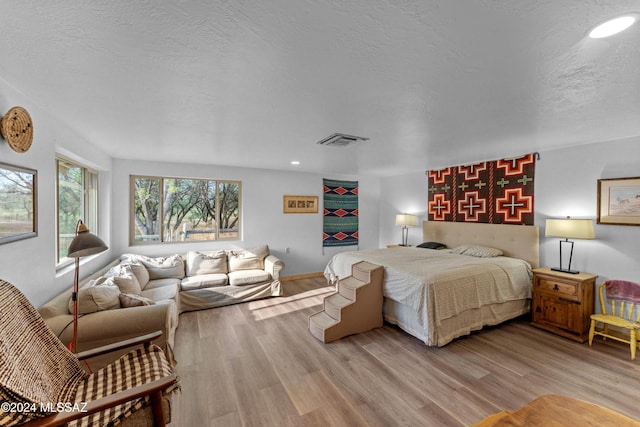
{"x":341,"y":140}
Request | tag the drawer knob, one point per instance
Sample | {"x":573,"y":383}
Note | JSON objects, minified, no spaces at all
{"x":555,"y":287}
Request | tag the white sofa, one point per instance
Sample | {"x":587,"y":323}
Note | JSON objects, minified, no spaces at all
{"x":137,"y":294}
{"x":208,"y":279}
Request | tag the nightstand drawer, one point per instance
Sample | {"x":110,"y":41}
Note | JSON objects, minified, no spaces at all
{"x":569,"y":290}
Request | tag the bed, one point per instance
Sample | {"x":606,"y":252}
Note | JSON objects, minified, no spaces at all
{"x":437,"y":295}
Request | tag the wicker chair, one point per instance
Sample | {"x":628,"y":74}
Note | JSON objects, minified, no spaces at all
{"x":623,"y":297}
{"x":43,"y":384}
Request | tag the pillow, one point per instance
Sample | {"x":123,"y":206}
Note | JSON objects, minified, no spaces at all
{"x":432,"y":245}
{"x":99,"y":294}
{"x":123,"y":277}
{"x":206,"y":263}
{"x":248,"y":259}
{"x":141,"y":273}
{"x":171,"y":267}
{"x":133,"y":300}
{"x":477,"y":251}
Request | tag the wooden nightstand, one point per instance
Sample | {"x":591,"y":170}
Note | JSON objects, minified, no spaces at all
{"x":562,"y":303}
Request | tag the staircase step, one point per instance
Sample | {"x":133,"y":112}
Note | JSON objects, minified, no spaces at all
{"x":319,"y":323}
{"x":362,"y":269}
{"x":347,"y":287}
{"x":334,"y":303}
{"x":323,"y":320}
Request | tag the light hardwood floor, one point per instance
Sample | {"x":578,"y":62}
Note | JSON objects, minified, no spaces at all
{"x":256,"y":364}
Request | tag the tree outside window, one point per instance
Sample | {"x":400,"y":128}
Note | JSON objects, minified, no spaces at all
{"x":77,"y":191}
{"x":180,"y":210}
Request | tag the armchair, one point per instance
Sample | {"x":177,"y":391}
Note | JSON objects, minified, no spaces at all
{"x":43,"y":384}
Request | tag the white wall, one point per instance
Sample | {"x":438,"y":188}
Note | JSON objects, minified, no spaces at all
{"x":402,"y":194}
{"x":30,"y":264}
{"x":566,"y":184}
{"x":263,"y":219}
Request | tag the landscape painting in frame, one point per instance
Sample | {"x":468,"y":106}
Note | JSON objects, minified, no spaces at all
{"x":619,"y":201}
{"x":18,"y":215}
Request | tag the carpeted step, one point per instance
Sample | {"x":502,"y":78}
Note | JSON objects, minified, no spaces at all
{"x":347,"y":287}
{"x":334,"y":303}
{"x":362,"y":270}
{"x":320,"y":323}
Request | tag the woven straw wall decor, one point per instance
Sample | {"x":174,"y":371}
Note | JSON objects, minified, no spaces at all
{"x":16,"y":127}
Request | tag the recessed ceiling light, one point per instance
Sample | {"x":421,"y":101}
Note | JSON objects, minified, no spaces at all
{"x":295,"y":162}
{"x":611,"y":27}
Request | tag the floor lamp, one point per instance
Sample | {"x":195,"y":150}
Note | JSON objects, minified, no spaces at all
{"x":84,"y":244}
{"x":569,"y":229}
{"x":404,"y":220}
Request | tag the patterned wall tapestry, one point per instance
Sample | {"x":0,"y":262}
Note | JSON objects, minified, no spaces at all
{"x":496,"y":192}
{"x":340,"y":224}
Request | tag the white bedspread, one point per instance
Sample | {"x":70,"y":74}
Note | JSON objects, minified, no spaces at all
{"x":439,"y":285}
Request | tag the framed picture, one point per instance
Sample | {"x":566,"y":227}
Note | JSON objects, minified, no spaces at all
{"x":300,"y":204}
{"x":18,"y":213}
{"x":619,"y":201}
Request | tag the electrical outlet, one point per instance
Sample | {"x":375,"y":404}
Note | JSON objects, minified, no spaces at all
{"x":286,"y":250}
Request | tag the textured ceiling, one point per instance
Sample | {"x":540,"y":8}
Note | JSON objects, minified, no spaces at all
{"x":256,"y":83}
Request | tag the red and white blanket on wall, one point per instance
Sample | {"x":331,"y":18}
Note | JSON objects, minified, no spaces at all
{"x":495,"y":192}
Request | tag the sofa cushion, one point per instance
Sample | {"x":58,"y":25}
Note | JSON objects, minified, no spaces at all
{"x":162,"y":293}
{"x":160,"y":267}
{"x":206,"y":263}
{"x":161,"y":283}
{"x":203,"y":281}
{"x":248,"y":277}
{"x":133,"y":300}
{"x":123,"y":276}
{"x":248,"y":259}
{"x":99,"y":294}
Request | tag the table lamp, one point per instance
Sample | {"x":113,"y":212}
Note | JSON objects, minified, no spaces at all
{"x":569,"y":228}
{"x":404,"y":220}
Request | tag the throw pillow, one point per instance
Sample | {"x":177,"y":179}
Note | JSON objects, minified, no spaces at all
{"x":171,"y":267}
{"x":133,"y":300}
{"x":432,"y":245}
{"x":248,"y":259}
{"x":124,"y":277}
{"x":477,"y":251}
{"x":141,"y":273}
{"x":97,"y":295}
{"x":206,"y":263}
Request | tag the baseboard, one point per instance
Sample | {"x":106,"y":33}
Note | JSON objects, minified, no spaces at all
{"x":301,"y":276}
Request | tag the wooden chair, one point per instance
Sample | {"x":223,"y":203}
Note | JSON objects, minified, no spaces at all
{"x":43,"y":384}
{"x":623,"y":297}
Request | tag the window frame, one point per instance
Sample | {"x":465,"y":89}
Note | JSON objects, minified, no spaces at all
{"x":90,"y":202}
{"x":161,"y":188}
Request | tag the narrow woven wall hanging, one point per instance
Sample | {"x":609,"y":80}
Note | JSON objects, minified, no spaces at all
{"x":340,"y":216}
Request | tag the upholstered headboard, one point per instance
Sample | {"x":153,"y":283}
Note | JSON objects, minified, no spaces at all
{"x":517,"y":241}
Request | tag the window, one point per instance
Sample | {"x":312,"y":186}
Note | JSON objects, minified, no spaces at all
{"x":184,"y":210}
{"x":77,"y":198}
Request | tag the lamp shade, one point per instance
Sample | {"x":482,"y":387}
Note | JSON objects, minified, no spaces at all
{"x":570,"y":228}
{"x":406,"y":219}
{"x":85,"y":243}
